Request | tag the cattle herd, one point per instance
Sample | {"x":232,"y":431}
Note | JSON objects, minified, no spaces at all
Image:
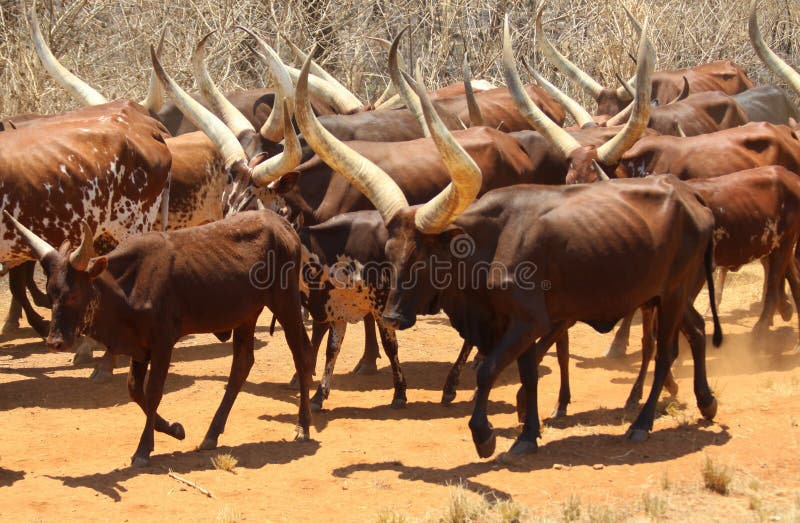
{"x":192,"y":215}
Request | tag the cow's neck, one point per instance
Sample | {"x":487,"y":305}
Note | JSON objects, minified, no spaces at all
{"x":99,"y":320}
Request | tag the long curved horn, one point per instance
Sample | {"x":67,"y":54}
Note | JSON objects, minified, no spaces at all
{"x":394,"y":101}
{"x":325,"y":91}
{"x":535,"y":116}
{"x":581,"y":115}
{"x":39,"y":246}
{"x":272,"y":129}
{"x":79,"y":259}
{"x":475,"y":116}
{"x":235,"y":120}
{"x":625,"y":87}
{"x":275,"y":167}
{"x":626,"y":90}
{"x":622,"y":116}
{"x":781,"y":69}
{"x":370,"y":179}
{"x":684,"y":92}
{"x":610,"y":152}
{"x":438,"y":213}
{"x":586,"y":82}
{"x":79,"y":89}
{"x":401,"y":84}
{"x":155,"y":95}
{"x":390,"y":88}
{"x":202,"y":118}
{"x":317,"y":70}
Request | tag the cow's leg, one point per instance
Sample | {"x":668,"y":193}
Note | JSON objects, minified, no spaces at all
{"x":564,"y":395}
{"x":793,"y":275}
{"x":16,"y":282}
{"x":648,"y":347}
{"x":290,"y":317}
{"x":389,"y":341}
{"x":11,"y":324}
{"x":335,"y":337}
{"x":527,"y":396}
{"x":40,"y":299}
{"x":153,"y":391}
{"x":620,"y":344}
{"x":318,"y":330}
{"x":136,"y":378}
{"x":240,"y":368}
{"x":449,"y":391}
{"x":693,"y":326}
{"x":776,"y":266}
{"x":517,"y":339}
{"x":670,"y":314}
{"x":368,"y":363}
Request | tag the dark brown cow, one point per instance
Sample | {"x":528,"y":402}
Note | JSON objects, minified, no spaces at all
{"x":520,"y":227}
{"x":108,"y":164}
{"x":725,"y":76}
{"x":155,"y":288}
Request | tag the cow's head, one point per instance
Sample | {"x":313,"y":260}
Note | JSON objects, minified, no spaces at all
{"x":416,"y":234}
{"x":249,"y":175}
{"x":609,"y":101}
{"x":587,"y":163}
{"x":69,"y":284}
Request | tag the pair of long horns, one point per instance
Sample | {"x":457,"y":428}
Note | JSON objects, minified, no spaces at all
{"x":608,"y":153}
{"x":79,"y":258}
{"x":376,"y":184}
{"x":226,"y":141}
{"x":80,"y":90}
{"x":575,"y":73}
{"x":781,"y":69}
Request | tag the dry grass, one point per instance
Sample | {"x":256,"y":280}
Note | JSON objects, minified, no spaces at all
{"x":106,"y":42}
{"x":228,"y":514}
{"x":716,"y":478}
{"x":224,"y":462}
{"x":654,"y":506}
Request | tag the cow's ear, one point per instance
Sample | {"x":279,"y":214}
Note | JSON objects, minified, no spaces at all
{"x":97,"y":266}
{"x":286,"y":182}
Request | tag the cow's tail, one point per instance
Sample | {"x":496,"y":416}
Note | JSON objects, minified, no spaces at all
{"x":708,"y":262}
{"x":272,"y":325}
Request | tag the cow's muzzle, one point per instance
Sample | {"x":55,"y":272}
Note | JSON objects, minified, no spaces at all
{"x":397,"y":321}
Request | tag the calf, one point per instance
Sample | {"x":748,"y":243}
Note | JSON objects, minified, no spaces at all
{"x":155,"y":288}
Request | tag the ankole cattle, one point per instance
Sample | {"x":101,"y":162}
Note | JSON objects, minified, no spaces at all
{"x":725,"y":76}
{"x":155,"y":288}
{"x":108,"y":165}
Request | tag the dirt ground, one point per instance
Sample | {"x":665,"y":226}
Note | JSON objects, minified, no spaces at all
{"x":67,"y":443}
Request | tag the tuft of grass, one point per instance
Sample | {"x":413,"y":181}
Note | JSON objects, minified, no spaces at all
{"x":666,"y":483}
{"x":716,"y":478}
{"x":571,"y":509}
{"x":678,"y":413}
{"x":465,"y":506}
{"x":601,"y":514}
{"x":392,"y":516}
{"x":225,"y":462}
{"x":228,"y":514}
{"x":654,"y":506}
{"x":509,"y":511}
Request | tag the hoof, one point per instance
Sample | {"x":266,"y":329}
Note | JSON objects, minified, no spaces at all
{"x":448,"y":396}
{"x":365,"y":368}
{"x":301,"y":435}
{"x":616,"y":350}
{"x":99,"y":375}
{"x":518,"y":450}
{"x":710,"y":410}
{"x":557,"y":413}
{"x":176,"y":431}
{"x":140,"y":461}
{"x":294,"y":383}
{"x":637,"y":435}
{"x":399,"y":403}
{"x":786,"y":310}
{"x":672,"y":388}
{"x":486,"y":448}
{"x":82,"y":358}
{"x":10,"y":328}
{"x":208,"y":444}
{"x":316,"y":404}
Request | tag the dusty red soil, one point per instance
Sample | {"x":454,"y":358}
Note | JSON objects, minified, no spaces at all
{"x":67,"y":442}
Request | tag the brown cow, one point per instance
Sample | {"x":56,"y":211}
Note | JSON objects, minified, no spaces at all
{"x":107,"y":164}
{"x":155,"y":288}
{"x":725,"y":76}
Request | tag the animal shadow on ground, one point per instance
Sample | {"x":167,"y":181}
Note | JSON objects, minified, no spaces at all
{"x":70,"y":392}
{"x":587,"y":450}
{"x":249,"y":456}
{"x":9,"y":477}
{"x":414,"y":410}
